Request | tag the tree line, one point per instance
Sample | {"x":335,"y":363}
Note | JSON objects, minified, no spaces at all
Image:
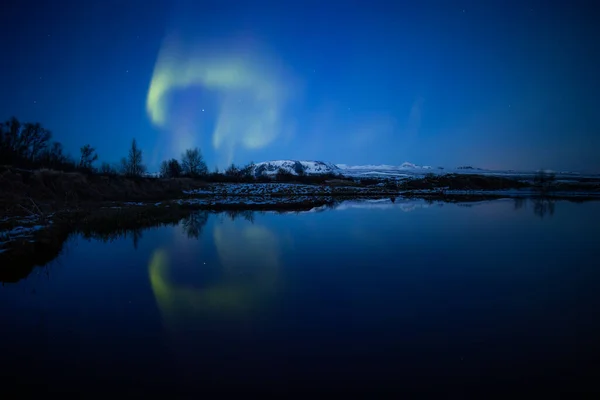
{"x":30,"y":146}
{"x":193,"y":165}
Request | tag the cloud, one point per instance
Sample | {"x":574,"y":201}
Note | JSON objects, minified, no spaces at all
{"x":252,"y":91}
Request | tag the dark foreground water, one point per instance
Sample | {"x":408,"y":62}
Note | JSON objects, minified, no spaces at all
{"x":374,"y":296}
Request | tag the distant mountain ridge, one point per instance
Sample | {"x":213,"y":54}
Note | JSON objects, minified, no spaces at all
{"x":404,"y":170}
{"x":297,"y":167}
{"x":403,"y":166}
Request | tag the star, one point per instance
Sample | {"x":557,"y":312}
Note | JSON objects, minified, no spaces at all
{"x":126,"y":70}
{"x":203,"y":110}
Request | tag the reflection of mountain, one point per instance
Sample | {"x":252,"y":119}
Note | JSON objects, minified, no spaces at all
{"x":246,"y":279}
{"x":384,"y":204}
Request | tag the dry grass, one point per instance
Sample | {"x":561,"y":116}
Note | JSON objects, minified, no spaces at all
{"x":17,"y":186}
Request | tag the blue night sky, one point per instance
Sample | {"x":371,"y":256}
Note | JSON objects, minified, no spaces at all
{"x":494,"y":84}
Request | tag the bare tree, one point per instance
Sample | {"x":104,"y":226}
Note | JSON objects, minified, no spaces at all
{"x":170,"y":169}
{"x":53,"y":157}
{"x":23,"y":143}
{"x":247,"y":171}
{"x":33,"y":140}
{"x":232,"y":171}
{"x":9,"y":141}
{"x":107,"y":169}
{"x":88,"y":156}
{"x":193,"y":163}
{"x":544,"y":180}
{"x":132,"y":165}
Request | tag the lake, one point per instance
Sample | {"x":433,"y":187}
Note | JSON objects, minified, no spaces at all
{"x":374,"y":295}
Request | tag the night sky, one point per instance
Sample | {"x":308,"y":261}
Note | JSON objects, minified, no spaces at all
{"x":493,"y":84}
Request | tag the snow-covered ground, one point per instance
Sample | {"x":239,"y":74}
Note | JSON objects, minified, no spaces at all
{"x":279,"y":189}
{"x":21,"y":228}
{"x":244,"y":201}
{"x":411,"y":170}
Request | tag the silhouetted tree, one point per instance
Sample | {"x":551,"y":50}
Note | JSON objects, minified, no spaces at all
{"x":88,"y":156}
{"x":543,"y":180}
{"x":9,"y":136}
{"x":247,"y":171}
{"x":193,"y":163}
{"x":23,"y":144}
{"x":33,"y":140}
{"x":232,"y":171}
{"x":107,"y":169}
{"x":132,"y":165}
{"x":53,"y":157}
{"x":170,"y":169}
{"x":163,"y":170}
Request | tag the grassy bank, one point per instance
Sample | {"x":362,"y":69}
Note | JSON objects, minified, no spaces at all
{"x":73,"y":188}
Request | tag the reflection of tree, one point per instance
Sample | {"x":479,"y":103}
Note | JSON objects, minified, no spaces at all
{"x":194,"y":223}
{"x":520,"y":203}
{"x":137,"y":235}
{"x":248,"y":215}
{"x":109,"y":236}
{"x":543,"y":206}
{"x":127,"y":224}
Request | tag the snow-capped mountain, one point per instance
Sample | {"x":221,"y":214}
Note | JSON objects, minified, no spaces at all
{"x":295,"y":167}
{"x":402,"y":171}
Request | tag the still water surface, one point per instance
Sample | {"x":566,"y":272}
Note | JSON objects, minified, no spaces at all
{"x":369,"y":295}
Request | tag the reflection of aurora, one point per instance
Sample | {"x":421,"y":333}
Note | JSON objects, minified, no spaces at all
{"x":249,"y":259}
